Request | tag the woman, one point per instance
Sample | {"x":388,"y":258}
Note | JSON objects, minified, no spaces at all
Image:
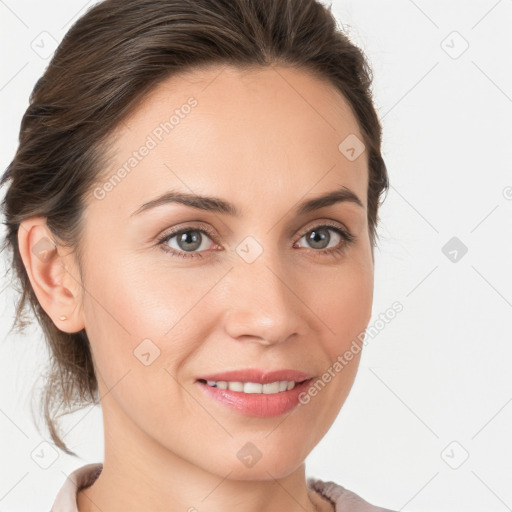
{"x":246,"y":130}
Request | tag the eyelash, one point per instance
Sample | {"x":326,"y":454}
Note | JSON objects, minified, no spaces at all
{"x":348,"y":238}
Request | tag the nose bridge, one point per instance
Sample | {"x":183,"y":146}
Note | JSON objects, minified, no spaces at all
{"x":260,"y":301}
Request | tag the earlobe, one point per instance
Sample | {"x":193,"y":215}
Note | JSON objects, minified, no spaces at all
{"x":48,"y":270}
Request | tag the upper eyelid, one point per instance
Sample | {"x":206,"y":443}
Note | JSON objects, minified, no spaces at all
{"x":325,"y":223}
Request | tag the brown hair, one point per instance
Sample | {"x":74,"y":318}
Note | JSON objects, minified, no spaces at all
{"x":109,"y":59}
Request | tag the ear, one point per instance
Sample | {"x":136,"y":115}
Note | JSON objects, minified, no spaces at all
{"x":53,"y":274}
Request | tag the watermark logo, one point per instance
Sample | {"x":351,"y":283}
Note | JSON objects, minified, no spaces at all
{"x":44,"y":455}
{"x":454,"y":249}
{"x":146,"y":352}
{"x":454,"y":45}
{"x":44,"y":45}
{"x":455,"y":455}
{"x":42,"y":249}
{"x":352,"y":147}
{"x":249,"y":454}
{"x":249,"y":249}
{"x":507,"y":193}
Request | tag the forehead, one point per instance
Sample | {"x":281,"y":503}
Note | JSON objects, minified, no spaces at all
{"x":272,"y":132}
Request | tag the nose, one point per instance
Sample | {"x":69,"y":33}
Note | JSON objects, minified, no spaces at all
{"x":261,"y":304}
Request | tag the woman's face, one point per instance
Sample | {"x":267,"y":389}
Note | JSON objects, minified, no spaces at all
{"x":268,"y":287}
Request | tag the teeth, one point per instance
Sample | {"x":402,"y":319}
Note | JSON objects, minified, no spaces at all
{"x":253,"y":387}
{"x":236,"y":386}
{"x":271,"y":388}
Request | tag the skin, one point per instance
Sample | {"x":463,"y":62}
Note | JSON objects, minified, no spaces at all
{"x":264,"y":139}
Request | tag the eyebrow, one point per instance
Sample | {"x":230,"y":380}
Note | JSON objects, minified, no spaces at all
{"x":218,"y":205}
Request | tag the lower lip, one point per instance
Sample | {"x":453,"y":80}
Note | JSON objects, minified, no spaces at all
{"x":258,"y":404}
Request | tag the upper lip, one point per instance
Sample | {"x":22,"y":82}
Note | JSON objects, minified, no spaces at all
{"x":258,"y":376}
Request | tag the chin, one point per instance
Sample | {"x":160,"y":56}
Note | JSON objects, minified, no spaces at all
{"x":251,"y":463}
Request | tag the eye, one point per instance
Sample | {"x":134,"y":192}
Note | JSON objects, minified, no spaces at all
{"x":188,"y":240}
{"x":319,"y":238}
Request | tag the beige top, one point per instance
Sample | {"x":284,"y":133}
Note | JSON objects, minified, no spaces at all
{"x":343,"y":499}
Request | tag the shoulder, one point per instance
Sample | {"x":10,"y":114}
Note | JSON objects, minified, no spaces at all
{"x":343,"y":499}
{"x":80,"y":478}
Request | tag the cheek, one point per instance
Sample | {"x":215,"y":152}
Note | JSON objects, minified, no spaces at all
{"x":135,"y":360}
{"x":144,"y":319}
{"x":138,"y":300}
{"x":343,"y":301}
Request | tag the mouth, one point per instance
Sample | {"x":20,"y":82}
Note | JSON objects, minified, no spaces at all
{"x":255,"y":392}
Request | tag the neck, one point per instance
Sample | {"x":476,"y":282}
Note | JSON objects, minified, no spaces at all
{"x":140,"y":474}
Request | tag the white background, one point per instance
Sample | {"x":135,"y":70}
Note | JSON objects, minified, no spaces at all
{"x":436,"y":376}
